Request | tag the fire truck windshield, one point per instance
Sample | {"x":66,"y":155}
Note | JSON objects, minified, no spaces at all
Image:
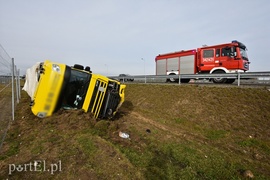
{"x":243,"y":54}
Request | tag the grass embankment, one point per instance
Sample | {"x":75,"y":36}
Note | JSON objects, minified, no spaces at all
{"x":5,"y":109}
{"x":176,"y":132}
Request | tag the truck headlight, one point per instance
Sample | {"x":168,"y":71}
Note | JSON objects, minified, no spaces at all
{"x":56,"y":68}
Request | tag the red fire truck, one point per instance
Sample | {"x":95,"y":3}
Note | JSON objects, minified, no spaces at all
{"x":223,"y":58}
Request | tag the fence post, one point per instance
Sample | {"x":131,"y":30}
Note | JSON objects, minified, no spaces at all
{"x":19,"y":82}
{"x":12,"y":82}
{"x":17,"y":86}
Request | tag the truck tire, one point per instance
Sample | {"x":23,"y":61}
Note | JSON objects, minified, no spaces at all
{"x":185,"y":80}
{"x":78,"y":66}
{"x":87,"y":68}
{"x":122,"y":80}
{"x":172,"y":80}
{"x":219,"y":80}
{"x":230,"y":81}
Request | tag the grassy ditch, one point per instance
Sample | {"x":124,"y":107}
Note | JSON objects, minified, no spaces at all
{"x":176,"y":132}
{"x":6,"y":109}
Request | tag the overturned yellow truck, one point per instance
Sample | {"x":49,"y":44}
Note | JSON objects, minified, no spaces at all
{"x":72,"y":87}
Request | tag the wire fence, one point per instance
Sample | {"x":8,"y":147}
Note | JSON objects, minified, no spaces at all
{"x":9,"y":92}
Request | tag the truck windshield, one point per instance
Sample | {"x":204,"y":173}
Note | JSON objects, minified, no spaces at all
{"x":76,"y":89}
{"x":243,"y":53}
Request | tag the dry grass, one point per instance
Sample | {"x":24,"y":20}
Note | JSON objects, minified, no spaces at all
{"x":6,"y":109}
{"x":176,"y":132}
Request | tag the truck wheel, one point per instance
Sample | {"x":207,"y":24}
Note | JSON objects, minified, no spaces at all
{"x":185,"y":80}
{"x":78,"y":66}
{"x":230,"y":81}
{"x":172,"y":79}
{"x":219,"y":80}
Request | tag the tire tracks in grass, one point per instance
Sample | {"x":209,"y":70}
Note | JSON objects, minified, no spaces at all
{"x":169,"y":129}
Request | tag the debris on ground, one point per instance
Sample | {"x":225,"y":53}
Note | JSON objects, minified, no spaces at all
{"x":123,"y":135}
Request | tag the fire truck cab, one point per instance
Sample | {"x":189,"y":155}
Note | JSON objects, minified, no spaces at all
{"x":223,"y":58}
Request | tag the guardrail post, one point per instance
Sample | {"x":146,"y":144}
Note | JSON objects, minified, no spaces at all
{"x":145,"y":79}
{"x":238,"y":78}
{"x":179,"y":79}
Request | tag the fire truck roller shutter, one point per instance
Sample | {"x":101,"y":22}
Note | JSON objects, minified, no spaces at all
{"x":187,"y":64}
{"x":161,"y":67}
{"x":172,"y":68}
{"x":173,"y":64}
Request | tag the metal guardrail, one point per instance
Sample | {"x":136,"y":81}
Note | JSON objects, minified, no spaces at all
{"x":238,"y":76}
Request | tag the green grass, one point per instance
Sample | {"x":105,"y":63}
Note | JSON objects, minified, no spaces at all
{"x":255,"y":143}
{"x":176,"y":132}
{"x":215,"y":134}
{"x":86,"y":145}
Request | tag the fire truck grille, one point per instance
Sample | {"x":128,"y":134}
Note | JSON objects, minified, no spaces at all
{"x":246,"y":65}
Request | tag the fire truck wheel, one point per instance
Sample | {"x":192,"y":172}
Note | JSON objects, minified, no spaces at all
{"x":230,"y":81}
{"x":219,"y":80}
{"x":185,"y":80}
{"x":172,"y":79}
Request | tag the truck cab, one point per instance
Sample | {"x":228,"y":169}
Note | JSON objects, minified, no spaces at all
{"x":75,"y":87}
{"x":231,"y":57}
{"x":224,"y":58}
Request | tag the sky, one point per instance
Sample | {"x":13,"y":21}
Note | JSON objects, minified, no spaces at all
{"x":125,"y":36}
